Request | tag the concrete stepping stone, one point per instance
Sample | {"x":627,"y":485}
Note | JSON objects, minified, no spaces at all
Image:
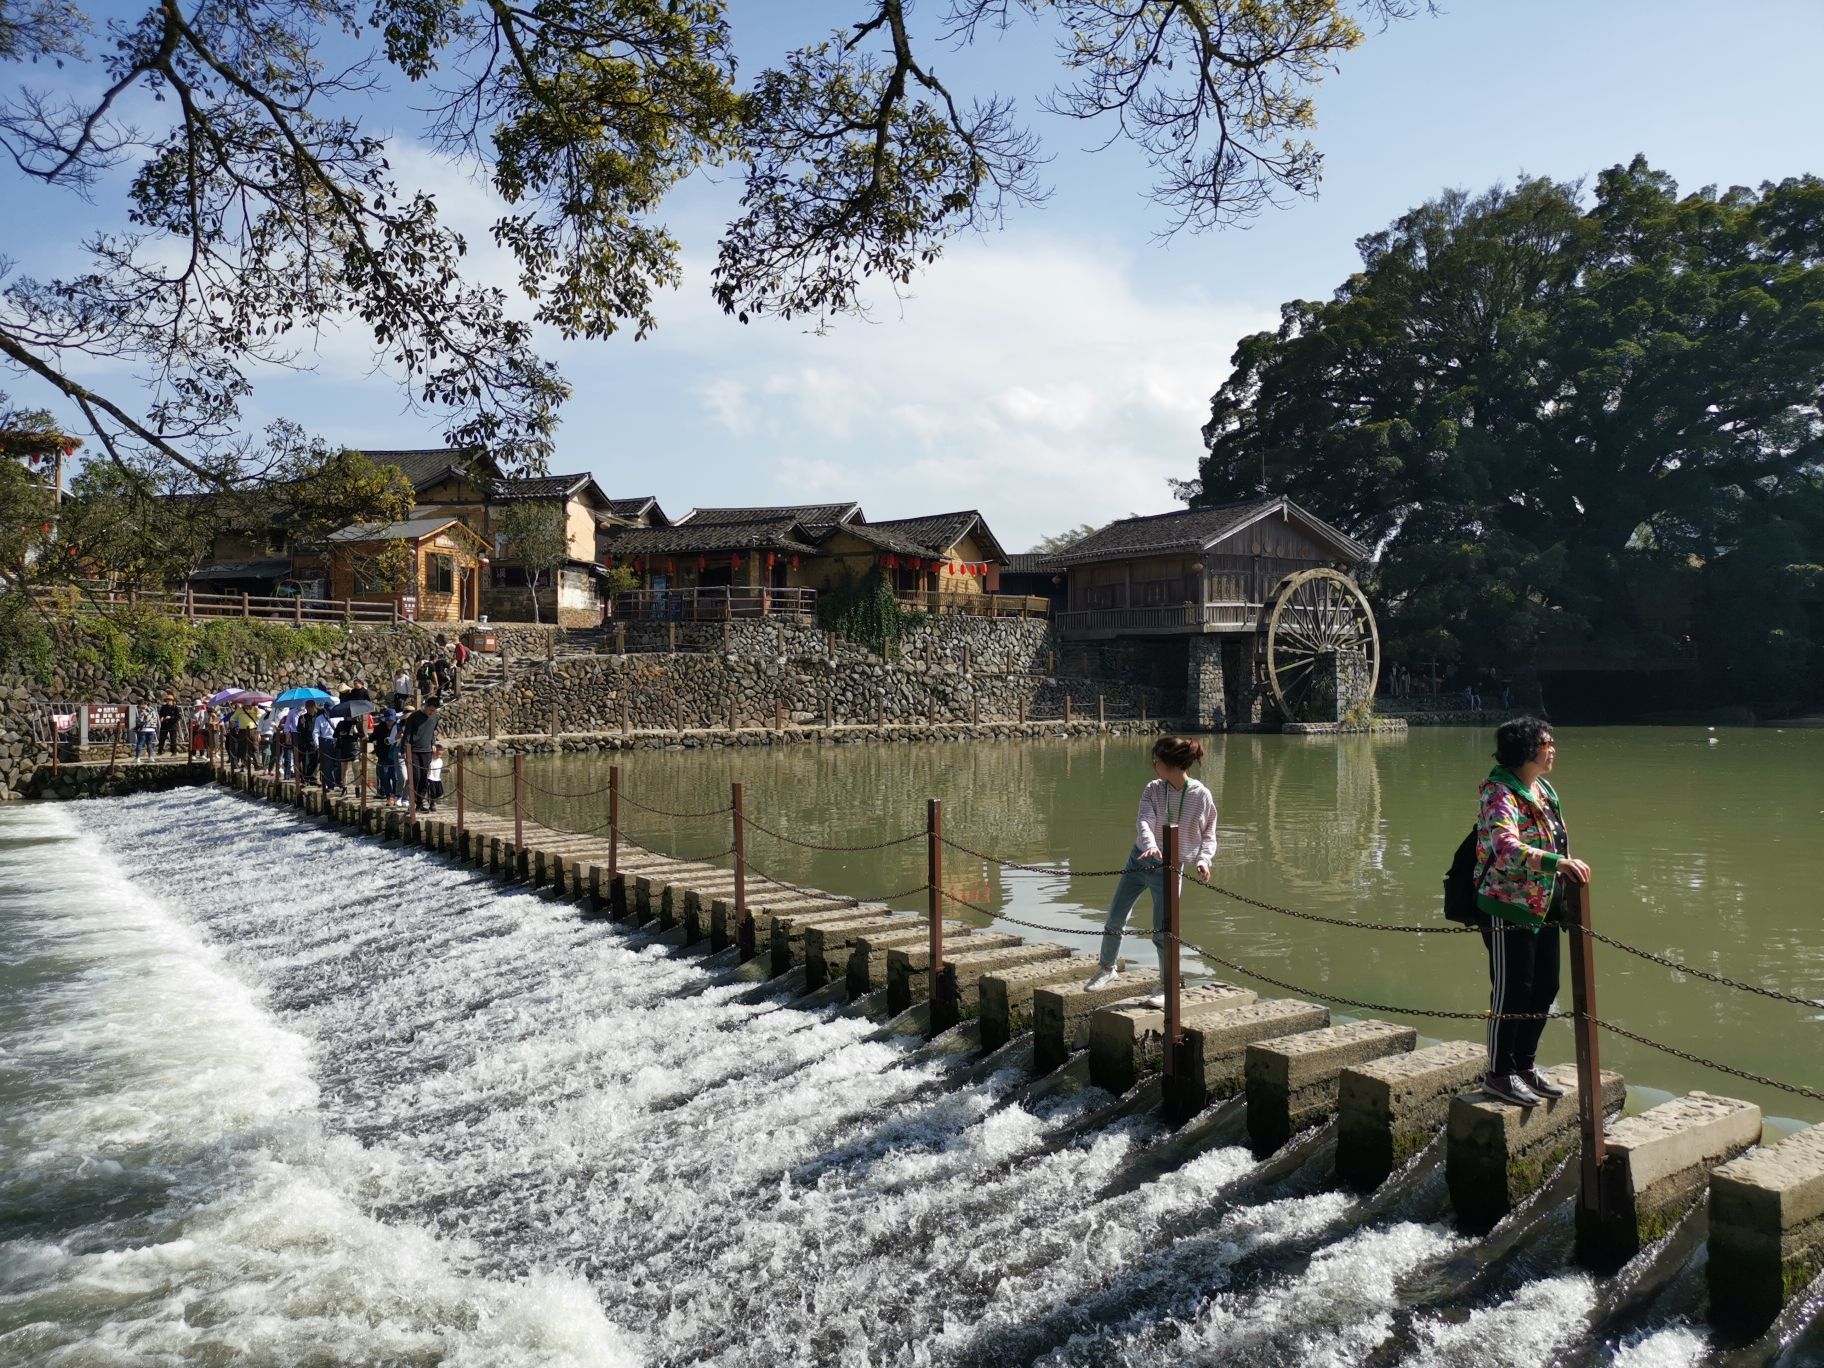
{"x":1061,"y":1013}
{"x":867,"y":969}
{"x":1766,"y":1230}
{"x":1007,"y":994}
{"x":1127,"y":1040}
{"x":787,"y":930}
{"x":1498,"y":1154}
{"x":908,"y":976}
{"x":1291,"y":1082}
{"x":826,"y":944}
{"x":959,"y":995}
{"x":1387,"y":1110}
{"x":1655,"y":1166}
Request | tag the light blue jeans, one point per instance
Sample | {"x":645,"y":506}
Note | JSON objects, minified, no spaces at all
{"x":1139,"y":876}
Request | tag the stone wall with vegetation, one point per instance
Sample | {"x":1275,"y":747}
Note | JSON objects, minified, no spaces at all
{"x":140,"y":657}
{"x":601,"y":693}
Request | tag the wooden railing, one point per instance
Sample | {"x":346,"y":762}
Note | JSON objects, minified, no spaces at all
{"x":1182,"y":617}
{"x":940,"y":604}
{"x":188,"y":603}
{"x":714,"y":605}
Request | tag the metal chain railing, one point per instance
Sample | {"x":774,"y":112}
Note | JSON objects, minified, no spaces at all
{"x":1056,"y":871}
{"x":722,"y":811}
{"x":838,"y":849}
{"x":1705,"y":974}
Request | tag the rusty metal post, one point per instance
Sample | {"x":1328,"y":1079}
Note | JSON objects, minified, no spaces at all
{"x":519,"y":812}
{"x":1589,"y":1067}
{"x":731,"y":714}
{"x":1168,"y":966}
{"x":361,"y":783}
{"x":934,"y":876}
{"x":411,"y":793}
{"x":744,"y":923}
{"x":614,"y":823}
{"x":462,"y":824}
{"x":554,"y":724}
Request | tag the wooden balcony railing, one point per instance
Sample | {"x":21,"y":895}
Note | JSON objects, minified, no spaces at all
{"x":940,"y":604}
{"x":714,"y":605}
{"x":1182,"y":617}
{"x":188,"y":603}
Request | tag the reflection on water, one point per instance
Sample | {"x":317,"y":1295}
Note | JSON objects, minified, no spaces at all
{"x":1705,"y":845}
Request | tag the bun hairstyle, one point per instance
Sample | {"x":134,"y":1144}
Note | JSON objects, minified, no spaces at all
{"x":1178,"y":751}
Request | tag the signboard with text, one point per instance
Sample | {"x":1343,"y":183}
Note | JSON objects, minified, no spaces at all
{"x":408,"y":605}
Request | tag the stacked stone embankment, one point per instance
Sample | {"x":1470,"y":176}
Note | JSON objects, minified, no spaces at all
{"x":1283,"y":1062}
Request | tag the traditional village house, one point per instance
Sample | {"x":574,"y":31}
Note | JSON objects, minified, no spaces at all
{"x":447,"y":564}
{"x":1180,"y":596}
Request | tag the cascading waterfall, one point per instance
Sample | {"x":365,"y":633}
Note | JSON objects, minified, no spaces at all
{"x":270,"y":1092}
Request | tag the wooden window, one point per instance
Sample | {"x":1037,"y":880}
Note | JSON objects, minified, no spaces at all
{"x":1100,"y":596}
{"x":1158,"y":593}
{"x":439,"y":574}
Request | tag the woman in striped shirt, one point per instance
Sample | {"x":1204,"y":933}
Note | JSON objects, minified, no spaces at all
{"x":1172,"y":798}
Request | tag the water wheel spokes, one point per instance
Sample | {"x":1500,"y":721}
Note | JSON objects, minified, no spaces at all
{"x":1317,"y":618}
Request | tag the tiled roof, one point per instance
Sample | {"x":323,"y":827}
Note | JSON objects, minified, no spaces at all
{"x":1197,"y":529}
{"x":885,"y":538}
{"x":811,"y":516}
{"x":1032,"y":563}
{"x":646,"y":506}
{"x":538,"y":487}
{"x":426,"y":465}
{"x":412,"y":529}
{"x":690,"y":539}
{"x":941,"y":531}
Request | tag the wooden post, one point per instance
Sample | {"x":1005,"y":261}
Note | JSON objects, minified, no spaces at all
{"x":1168,"y":967}
{"x":671,"y":637}
{"x":190,"y":602}
{"x":930,"y":655}
{"x":554,"y":723}
{"x":245,"y":611}
{"x":968,"y":657}
{"x":620,"y":638}
{"x":1022,"y":712}
{"x":1067,"y":708}
{"x":1143,"y":705}
{"x":728,"y":634}
{"x":492,"y":731}
{"x":880,"y":714}
{"x":297,"y":611}
{"x":743,"y":922}
{"x":361,"y":784}
{"x":731,"y":713}
{"x":626,"y":717}
{"x":462,"y":824}
{"x":975,"y":711}
{"x":1589,"y":1067}
{"x":614,"y":822}
{"x":678,"y":714}
{"x":778,"y":716}
{"x":829,"y":713}
{"x":519,"y":812}
{"x":1051,"y":662}
{"x":934,"y":877}
{"x":781,"y":630}
{"x":1101,"y":708}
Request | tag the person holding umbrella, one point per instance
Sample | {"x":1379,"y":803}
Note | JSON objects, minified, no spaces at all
{"x":420,"y":732}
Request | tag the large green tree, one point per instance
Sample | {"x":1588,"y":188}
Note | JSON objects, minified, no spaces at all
{"x":248,"y":170}
{"x":1550,"y":415}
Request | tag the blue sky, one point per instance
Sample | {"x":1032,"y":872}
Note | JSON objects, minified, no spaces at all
{"x":1057,"y":372}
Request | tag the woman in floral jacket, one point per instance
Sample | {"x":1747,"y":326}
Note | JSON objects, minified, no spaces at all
{"x":1523,"y":857}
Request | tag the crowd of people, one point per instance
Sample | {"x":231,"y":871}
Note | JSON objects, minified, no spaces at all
{"x":318,"y":735}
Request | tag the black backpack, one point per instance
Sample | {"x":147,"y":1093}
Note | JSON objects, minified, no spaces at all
{"x":1461,"y":881}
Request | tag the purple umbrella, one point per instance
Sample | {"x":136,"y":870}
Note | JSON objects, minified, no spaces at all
{"x":226,"y":695}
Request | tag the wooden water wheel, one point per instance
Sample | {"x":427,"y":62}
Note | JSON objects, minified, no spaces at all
{"x":1314,"y":618}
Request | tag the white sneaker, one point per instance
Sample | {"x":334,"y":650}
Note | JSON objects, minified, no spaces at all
{"x":1156,"y":1001}
{"x":1102,"y":979}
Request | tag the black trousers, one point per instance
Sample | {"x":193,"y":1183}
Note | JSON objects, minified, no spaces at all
{"x":421,"y":772}
{"x":1523,"y":977}
{"x":167,"y":735}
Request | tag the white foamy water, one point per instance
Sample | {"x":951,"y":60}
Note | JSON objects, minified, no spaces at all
{"x":279,"y":1094}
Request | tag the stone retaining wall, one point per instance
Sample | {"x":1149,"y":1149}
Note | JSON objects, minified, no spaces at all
{"x":651,"y":692}
{"x":580,"y":743}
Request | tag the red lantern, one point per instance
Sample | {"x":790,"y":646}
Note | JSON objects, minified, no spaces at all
{"x":702,"y":564}
{"x":794,"y":562}
{"x":770,"y":560}
{"x":671,"y":567}
{"x":609,"y":562}
{"x":736,"y":562}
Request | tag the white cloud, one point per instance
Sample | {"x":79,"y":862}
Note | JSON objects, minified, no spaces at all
{"x":1034,"y":380}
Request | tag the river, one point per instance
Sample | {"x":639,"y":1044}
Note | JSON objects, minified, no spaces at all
{"x":272,"y":1096}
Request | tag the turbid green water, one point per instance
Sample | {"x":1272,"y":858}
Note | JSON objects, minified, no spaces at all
{"x":1705,"y":846}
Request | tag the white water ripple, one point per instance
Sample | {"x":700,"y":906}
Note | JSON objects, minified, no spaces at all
{"x":398,"y":1114}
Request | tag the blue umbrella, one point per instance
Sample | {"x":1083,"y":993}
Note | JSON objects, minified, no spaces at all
{"x":305,"y":696}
